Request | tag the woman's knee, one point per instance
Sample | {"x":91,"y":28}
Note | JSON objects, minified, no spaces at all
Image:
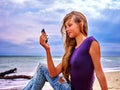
{"x":42,"y":68}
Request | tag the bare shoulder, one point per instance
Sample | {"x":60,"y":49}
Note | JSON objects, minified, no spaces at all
{"x":94,"y":45}
{"x":95,"y":49}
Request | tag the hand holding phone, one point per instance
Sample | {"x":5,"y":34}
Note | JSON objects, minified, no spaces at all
{"x":43,"y":31}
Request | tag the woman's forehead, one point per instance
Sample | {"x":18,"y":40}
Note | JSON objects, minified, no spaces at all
{"x":69,"y":21}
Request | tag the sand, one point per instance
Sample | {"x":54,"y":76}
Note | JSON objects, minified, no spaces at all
{"x":113,"y":81}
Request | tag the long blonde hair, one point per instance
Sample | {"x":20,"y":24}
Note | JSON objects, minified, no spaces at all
{"x":70,"y":43}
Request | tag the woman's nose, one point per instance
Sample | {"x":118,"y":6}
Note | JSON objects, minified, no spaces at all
{"x":67,"y":29}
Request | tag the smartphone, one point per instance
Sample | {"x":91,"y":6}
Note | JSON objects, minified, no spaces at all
{"x":43,"y":31}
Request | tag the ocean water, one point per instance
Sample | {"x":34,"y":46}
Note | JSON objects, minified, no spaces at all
{"x":25,"y":66}
{"x":28,"y":65}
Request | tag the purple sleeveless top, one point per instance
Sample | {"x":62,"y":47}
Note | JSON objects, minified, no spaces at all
{"x":81,"y":66}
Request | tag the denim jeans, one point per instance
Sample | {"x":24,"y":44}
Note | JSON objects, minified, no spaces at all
{"x":41,"y":76}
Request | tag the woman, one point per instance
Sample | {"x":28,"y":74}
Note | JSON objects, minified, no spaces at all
{"x":81,"y":59}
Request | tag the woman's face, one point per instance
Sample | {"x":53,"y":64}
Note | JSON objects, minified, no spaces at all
{"x":72,"y":28}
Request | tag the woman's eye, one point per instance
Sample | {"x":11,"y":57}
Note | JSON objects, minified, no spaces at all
{"x":70,"y":25}
{"x":67,"y":26}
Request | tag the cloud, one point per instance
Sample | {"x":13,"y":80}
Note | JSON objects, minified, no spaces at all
{"x":105,"y":29}
{"x":110,"y":49}
{"x":21,"y":21}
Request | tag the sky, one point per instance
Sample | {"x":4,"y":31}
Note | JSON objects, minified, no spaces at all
{"x":21,"y":22}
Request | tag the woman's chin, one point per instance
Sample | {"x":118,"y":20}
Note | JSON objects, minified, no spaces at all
{"x":70,"y":36}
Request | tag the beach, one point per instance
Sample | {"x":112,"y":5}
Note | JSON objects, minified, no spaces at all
{"x":28,"y":65}
{"x":113,"y":81}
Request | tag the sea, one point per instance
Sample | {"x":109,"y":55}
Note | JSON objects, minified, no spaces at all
{"x":26,"y":65}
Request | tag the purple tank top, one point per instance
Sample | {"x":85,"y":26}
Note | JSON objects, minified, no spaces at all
{"x":81,"y":66}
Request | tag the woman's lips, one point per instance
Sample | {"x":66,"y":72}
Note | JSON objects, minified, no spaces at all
{"x":69,"y":33}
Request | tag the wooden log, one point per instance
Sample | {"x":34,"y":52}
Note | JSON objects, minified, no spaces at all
{"x":2,"y":74}
{"x":16,"y":77}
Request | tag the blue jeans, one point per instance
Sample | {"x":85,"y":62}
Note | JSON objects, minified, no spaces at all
{"x":41,"y":76}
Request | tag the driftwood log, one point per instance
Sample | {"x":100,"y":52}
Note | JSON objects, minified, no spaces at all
{"x":3,"y":75}
{"x":16,"y":77}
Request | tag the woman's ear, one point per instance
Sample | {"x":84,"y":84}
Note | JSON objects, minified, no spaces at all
{"x":81,"y":26}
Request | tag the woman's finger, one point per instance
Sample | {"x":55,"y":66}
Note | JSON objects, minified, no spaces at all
{"x":43,"y":38}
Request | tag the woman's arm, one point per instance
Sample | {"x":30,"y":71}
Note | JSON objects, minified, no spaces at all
{"x":53,"y":71}
{"x":95,"y":55}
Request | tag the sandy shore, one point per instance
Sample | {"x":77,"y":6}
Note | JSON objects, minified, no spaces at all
{"x":113,"y":80}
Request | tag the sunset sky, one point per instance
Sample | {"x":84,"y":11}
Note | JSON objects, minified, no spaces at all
{"x":21,"y":22}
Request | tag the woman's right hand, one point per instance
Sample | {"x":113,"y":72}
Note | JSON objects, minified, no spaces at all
{"x":42,"y":40}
